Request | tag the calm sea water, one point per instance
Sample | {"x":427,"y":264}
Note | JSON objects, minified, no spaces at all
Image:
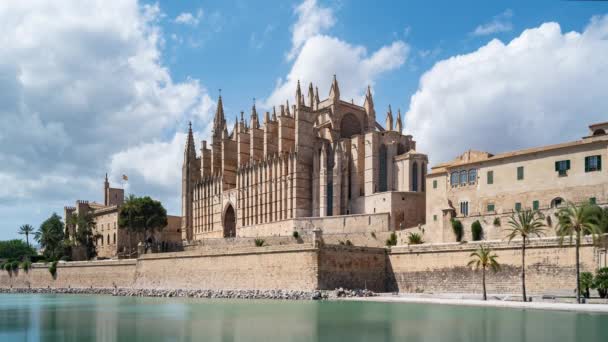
{"x":106,"y":318}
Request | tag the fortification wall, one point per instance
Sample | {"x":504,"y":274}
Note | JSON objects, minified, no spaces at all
{"x":284,"y":267}
{"x":442,"y":267}
{"x":352,"y":267}
{"x":77,"y":274}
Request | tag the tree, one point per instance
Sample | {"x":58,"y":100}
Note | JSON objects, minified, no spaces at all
{"x":525,"y":224}
{"x":15,"y":249}
{"x":601,"y":282}
{"x":50,"y":236}
{"x":576,"y":221}
{"x":26,"y":230}
{"x":142,"y":215}
{"x":483,"y":259}
{"x":83,"y":234}
{"x":457,"y":228}
{"x":476,"y":231}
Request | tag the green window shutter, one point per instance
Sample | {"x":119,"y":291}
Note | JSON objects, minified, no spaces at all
{"x":520,"y":172}
{"x":517,"y":206}
{"x":556,"y":166}
{"x":434,"y":184}
{"x":592,"y":200}
{"x":490,"y":175}
{"x":599,"y":163}
{"x":568,"y":164}
{"x":587,"y":164}
{"x":535,"y":205}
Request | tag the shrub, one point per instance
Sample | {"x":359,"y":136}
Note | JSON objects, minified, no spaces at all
{"x":296,"y":235}
{"x":15,"y":265}
{"x":415,"y":239}
{"x":392,"y":241}
{"x":259,"y":242}
{"x":497,"y":221}
{"x":26,"y":265}
{"x":348,"y":243}
{"x":476,"y":231}
{"x":601,"y":282}
{"x":586,"y":282}
{"x":458,"y":230}
{"x":53,"y":269}
{"x":7,"y":266}
{"x":37,"y":258}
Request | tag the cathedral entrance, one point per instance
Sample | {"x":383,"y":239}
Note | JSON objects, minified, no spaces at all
{"x":229,"y":222}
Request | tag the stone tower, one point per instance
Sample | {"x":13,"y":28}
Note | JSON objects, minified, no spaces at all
{"x":190,"y":174}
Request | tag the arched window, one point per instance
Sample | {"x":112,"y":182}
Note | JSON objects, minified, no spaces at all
{"x":556,"y":202}
{"x":472,"y":176}
{"x":415,"y":177}
{"x":114,"y":238}
{"x":101,"y":238}
{"x":382,"y":176}
{"x":108,"y":239}
{"x":463,"y":177}
{"x":454,"y":178}
{"x":599,"y":132}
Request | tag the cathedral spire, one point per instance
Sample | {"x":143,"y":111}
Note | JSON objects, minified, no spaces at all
{"x":398,"y":124}
{"x":287,"y":109}
{"x":317,"y":101}
{"x":254,"y":118}
{"x":274,"y":113}
{"x":298,"y":95}
{"x":334,"y":92}
{"x":389,"y":119}
{"x":219,"y":121}
{"x":311,"y":96}
{"x":369,"y":102}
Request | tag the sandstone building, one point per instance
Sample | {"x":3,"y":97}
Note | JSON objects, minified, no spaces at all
{"x":317,"y":159}
{"x":111,"y":241}
{"x":482,"y":186}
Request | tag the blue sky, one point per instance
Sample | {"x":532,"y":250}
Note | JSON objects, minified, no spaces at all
{"x":109,"y":86}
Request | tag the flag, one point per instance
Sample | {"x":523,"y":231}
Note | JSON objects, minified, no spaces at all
{"x":124,"y":177}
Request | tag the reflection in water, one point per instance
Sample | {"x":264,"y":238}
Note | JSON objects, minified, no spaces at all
{"x":105,"y":318}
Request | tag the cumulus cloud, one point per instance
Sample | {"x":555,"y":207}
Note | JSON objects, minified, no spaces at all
{"x":500,"y":23}
{"x":190,"y":19}
{"x":543,"y":87}
{"x":312,"y":20}
{"x":318,"y":56}
{"x":79,"y":85}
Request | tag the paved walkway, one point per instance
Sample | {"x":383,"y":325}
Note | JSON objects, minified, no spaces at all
{"x":598,"y":308}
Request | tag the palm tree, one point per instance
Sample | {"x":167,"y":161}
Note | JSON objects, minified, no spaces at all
{"x":576,"y":221}
{"x":525,"y":224}
{"x":26,"y":230}
{"x":483,"y":259}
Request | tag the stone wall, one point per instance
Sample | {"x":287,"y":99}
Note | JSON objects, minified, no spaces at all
{"x":352,"y":267}
{"x":106,"y":273}
{"x":442,"y":267}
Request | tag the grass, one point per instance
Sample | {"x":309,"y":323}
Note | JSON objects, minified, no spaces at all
{"x":259,"y":242}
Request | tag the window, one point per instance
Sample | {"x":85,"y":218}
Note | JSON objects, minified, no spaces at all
{"x":593,"y":163}
{"x":472,"y":176}
{"x":592,"y":200}
{"x":454,"y":179}
{"x":464,"y":208}
{"x":556,"y":202}
{"x":434,"y":217}
{"x":490,"y":175}
{"x":562,"y":167}
{"x":435,"y":184}
{"x":383,"y":170}
{"x":463,"y":177}
{"x":520,"y":172}
{"x":517,"y":206}
{"x":490,"y":207}
{"x":535,"y":205}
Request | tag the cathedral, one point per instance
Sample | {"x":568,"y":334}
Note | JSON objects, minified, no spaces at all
{"x":318,"y":163}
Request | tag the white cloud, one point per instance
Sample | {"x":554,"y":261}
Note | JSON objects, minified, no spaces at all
{"x":500,"y":23}
{"x":543,"y":87}
{"x":322,"y":56}
{"x":79,"y":85}
{"x":188,"y":18}
{"x":312,"y":20}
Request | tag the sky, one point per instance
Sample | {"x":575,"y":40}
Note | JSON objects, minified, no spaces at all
{"x":94,"y":87}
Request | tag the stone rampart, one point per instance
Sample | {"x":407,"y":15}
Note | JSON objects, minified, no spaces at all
{"x":550,"y":268}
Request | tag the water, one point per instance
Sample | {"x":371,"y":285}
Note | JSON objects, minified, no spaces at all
{"x":106,"y":318}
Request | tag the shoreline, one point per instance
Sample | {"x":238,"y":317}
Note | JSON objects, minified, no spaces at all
{"x":196,"y":293}
{"x":547,"y":306}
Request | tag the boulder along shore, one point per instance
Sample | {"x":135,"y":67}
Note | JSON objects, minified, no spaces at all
{"x":200,"y":293}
